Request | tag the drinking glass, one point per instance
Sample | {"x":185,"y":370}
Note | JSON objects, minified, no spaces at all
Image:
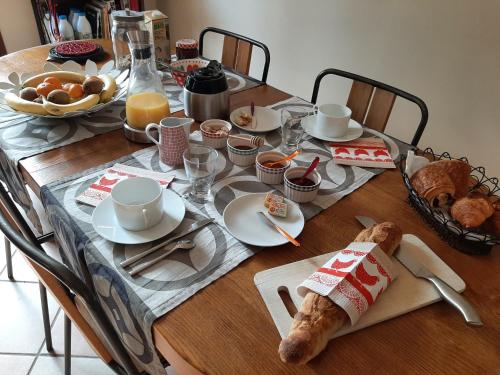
{"x":291,"y":130}
{"x":200,"y":163}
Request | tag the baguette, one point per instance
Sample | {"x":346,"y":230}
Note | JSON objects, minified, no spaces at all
{"x":319,"y":318}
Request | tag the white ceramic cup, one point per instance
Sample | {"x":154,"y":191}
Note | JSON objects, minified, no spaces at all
{"x":138,"y":203}
{"x":332,"y":120}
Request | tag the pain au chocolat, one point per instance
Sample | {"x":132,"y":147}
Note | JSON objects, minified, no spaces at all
{"x":442,"y":180}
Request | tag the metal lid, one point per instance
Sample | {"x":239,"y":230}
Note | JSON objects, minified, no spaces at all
{"x":127,"y":15}
{"x":187,"y":43}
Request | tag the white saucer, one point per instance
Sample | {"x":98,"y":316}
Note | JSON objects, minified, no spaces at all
{"x":267,"y":119}
{"x":106,"y":225}
{"x":242,"y":221}
{"x":355,"y":130}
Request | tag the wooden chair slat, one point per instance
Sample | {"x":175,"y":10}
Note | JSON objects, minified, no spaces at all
{"x":359,"y":99}
{"x":229,"y":50}
{"x":243,"y":57}
{"x":380,"y":109}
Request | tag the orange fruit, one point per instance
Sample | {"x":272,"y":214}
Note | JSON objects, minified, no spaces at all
{"x":75,"y":90}
{"x":45,"y":88}
{"x":66,"y":86}
{"x":55,"y":81}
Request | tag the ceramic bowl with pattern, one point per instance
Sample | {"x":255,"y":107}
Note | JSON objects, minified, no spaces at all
{"x":301,"y":193}
{"x":241,"y":151}
{"x":181,"y":68}
{"x":212,"y":134}
{"x":274,"y":175}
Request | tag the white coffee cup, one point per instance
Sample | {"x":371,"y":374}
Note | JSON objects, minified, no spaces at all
{"x":138,"y":203}
{"x":332,"y":120}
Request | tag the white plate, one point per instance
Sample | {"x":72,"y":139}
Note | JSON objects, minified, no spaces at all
{"x":242,"y":221}
{"x":354,"y":131}
{"x":267,"y":119}
{"x":106,"y":224}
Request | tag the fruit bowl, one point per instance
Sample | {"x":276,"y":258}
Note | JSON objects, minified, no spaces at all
{"x":181,"y":68}
{"x":114,"y":87}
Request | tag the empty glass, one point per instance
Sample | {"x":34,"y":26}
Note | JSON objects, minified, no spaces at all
{"x":200,"y":163}
{"x":291,"y":130}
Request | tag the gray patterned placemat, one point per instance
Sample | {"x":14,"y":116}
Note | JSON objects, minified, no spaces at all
{"x":23,"y":136}
{"x":134,"y":303}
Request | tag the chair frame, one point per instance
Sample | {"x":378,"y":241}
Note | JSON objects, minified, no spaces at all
{"x":379,"y":85}
{"x":238,"y":37}
{"x":27,"y":244}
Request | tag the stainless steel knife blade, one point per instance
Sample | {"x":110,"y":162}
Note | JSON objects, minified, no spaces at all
{"x":407,"y":259}
{"x":412,"y":264}
{"x":195,"y":226}
{"x":366,"y":221}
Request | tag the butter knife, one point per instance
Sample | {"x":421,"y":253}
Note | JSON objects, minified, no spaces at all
{"x":280,"y":230}
{"x":419,"y":270}
{"x":195,"y":226}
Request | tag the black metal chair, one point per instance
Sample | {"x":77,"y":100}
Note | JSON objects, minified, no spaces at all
{"x":371,"y":101}
{"x":27,"y":232}
{"x":237,"y":51}
{"x":61,"y":276}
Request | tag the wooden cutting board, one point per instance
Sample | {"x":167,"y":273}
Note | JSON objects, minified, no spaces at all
{"x":405,"y":294}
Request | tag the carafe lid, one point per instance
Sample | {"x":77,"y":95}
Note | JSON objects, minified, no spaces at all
{"x":127,"y":15}
{"x":208,"y":80}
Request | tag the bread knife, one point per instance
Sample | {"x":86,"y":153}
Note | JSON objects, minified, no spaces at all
{"x":419,"y":270}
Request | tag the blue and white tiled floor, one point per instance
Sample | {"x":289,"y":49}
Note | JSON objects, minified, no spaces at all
{"x":22,"y":340}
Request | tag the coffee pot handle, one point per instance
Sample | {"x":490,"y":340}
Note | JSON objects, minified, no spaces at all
{"x":149,"y":135}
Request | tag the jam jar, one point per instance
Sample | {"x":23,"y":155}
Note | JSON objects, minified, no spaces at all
{"x":186,"y":49}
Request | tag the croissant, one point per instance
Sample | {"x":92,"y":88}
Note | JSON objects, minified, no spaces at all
{"x":442,"y":180}
{"x":492,"y":225}
{"x":472,"y":211}
{"x":319,"y":318}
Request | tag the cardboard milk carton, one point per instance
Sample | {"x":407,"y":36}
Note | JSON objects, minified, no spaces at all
{"x":157,"y":24}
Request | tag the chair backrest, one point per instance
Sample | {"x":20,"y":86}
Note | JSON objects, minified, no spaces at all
{"x":3,"y":50}
{"x":371,"y":101}
{"x":237,"y":51}
{"x":60,"y":280}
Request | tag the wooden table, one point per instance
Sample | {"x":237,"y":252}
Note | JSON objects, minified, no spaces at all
{"x":226,"y":329}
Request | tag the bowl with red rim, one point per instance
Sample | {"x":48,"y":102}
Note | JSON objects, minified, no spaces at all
{"x":181,"y":68}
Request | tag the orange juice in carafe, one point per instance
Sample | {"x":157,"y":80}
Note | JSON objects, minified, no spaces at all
{"x":145,"y":108}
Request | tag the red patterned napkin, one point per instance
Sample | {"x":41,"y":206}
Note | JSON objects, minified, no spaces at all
{"x":353,"y":278}
{"x":363,"y":152}
{"x":100,"y":189}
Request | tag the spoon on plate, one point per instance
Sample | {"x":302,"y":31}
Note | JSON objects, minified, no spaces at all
{"x":270,"y":164}
{"x":312,"y":167}
{"x":184,"y":245}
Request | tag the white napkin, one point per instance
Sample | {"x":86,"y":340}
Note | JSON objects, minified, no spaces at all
{"x":414,"y":163}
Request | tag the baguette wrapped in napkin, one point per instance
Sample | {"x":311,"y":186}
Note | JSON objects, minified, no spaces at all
{"x":341,"y":291}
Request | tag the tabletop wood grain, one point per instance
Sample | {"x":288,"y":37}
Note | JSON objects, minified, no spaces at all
{"x":226,"y":329}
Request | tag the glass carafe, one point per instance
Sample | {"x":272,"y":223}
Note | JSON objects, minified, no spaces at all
{"x":146,"y":98}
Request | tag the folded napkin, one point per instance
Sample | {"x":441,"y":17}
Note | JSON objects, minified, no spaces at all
{"x":101,"y":189}
{"x":414,"y":163}
{"x":363,"y":152}
{"x":353,"y":278}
